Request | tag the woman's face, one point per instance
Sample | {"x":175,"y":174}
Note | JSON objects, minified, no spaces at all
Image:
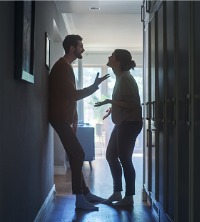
{"x":112,"y":61}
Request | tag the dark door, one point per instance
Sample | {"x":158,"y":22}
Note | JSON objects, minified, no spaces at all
{"x":196,"y":111}
{"x":170,"y":107}
{"x":152,"y":85}
{"x":160,"y":107}
{"x":182,"y":112}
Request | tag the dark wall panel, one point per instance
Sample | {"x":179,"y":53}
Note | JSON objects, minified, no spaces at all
{"x":170,"y":104}
{"x":160,"y":103}
{"x":26,"y":147}
{"x":182,"y":86}
{"x":196,"y":118}
{"x":174,"y":85}
{"x":153,"y":97}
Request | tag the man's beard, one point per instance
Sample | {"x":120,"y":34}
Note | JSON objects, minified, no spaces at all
{"x":78,"y":55}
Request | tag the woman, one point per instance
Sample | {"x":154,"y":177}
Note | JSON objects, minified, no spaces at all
{"x":126,"y":113}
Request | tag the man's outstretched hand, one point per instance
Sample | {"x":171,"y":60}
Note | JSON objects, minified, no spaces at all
{"x":101,"y":79}
{"x":107,"y":101}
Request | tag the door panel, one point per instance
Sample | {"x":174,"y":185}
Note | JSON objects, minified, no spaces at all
{"x":147,"y":151}
{"x":160,"y":109}
{"x":170,"y":107}
{"x":196,"y":114}
{"x":182,"y":87}
{"x":152,"y":99}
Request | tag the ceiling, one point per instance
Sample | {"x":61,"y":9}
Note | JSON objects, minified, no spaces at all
{"x":114,"y":24}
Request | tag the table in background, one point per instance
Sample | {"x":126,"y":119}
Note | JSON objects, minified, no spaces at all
{"x":85,"y":135}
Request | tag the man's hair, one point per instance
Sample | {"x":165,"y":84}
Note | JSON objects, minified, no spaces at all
{"x":71,"y":40}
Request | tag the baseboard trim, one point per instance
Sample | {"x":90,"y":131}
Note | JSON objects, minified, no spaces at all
{"x":157,"y":209}
{"x":60,"y":170}
{"x":46,"y":206}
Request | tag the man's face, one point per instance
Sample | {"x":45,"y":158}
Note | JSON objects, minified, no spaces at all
{"x":79,"y":50}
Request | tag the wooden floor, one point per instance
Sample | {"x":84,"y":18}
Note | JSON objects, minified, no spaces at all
{"x":100,"y":182}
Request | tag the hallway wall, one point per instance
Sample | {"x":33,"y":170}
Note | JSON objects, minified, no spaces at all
{"x":26,"y":138}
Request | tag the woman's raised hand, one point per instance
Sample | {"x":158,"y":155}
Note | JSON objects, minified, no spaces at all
{"x":108,"y":112}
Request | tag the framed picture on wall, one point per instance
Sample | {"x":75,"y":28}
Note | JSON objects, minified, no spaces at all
{"x":24,"y":40}
{"x":47,"y":50}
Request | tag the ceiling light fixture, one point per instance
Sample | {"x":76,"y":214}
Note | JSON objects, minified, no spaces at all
{"x":94,"y":8}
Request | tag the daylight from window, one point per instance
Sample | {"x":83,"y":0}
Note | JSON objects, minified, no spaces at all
{"x":94,"y":115}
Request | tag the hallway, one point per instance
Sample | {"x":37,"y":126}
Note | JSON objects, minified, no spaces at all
{"x":100,"y":183}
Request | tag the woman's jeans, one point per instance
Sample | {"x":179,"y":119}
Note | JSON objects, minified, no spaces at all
{"x":119,"y":155}
{"x":75,"y":155}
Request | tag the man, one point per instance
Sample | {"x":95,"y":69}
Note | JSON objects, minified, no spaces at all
{"x":63,"y":115}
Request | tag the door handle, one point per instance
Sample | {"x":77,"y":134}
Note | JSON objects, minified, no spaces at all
{"x":187,"y":109}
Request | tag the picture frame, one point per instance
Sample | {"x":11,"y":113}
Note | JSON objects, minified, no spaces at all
{"x":24,"y":40}
{"x":47,"y":51}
